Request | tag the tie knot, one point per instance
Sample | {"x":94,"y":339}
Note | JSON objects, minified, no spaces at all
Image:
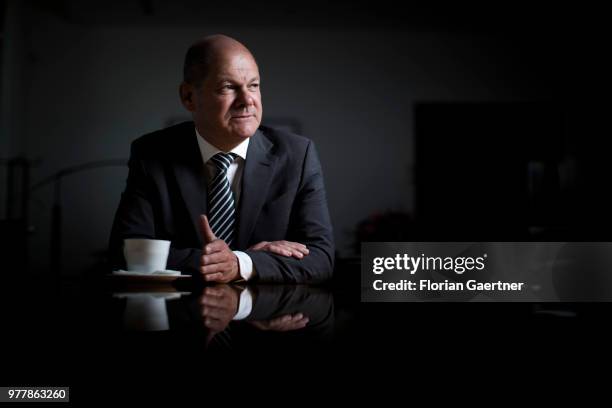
{"x":223,"y":160}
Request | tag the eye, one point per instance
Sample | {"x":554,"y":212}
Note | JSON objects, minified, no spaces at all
{"x":255,"y":85}
{"x":227,"y":88}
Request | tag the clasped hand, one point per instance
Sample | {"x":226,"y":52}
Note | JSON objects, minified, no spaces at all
{"x":219,"y":264}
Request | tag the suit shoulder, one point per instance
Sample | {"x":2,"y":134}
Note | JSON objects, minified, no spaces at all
{"x":285,"y":140}
{"x":164,"y":138}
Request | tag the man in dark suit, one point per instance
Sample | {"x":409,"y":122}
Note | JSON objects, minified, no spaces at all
{"x":237,"y":200}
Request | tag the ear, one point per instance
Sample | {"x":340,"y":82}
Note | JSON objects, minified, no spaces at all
{"x":186,"y":92}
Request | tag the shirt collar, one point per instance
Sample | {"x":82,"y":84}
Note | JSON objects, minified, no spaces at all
{"x":207,"y":150}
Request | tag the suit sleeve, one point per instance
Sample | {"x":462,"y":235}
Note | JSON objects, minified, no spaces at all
{"x":272,"y":301}
{"x":137,"y":216}
{"x":310,"y":225}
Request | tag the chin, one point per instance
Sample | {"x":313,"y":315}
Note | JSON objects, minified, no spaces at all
{"x":245,"y":132}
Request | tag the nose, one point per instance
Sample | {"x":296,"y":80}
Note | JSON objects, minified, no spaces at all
{"x":244,"y":99}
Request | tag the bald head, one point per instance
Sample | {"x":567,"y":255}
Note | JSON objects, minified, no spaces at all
{"x":207,"y":51}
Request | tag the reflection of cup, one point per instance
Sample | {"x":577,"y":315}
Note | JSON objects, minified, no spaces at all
{"x":146,"y":313}
{"x":146,"y":255}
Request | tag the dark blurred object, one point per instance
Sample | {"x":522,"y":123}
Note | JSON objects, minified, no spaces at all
{"x":13,"y":244}
{"x":582,"y":272}
{"x":55,"y":245}
{"x":14,"y":223}
{"x":389,"y":226}
{"x":503,"y":171}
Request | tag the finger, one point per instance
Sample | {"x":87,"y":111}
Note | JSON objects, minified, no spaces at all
{"x":289,"y":251}
{"x":211,"y":269}
{"x":214,"y":324}
{"x":214,"y":277}
{"x":280,"y":320}
{"x":215,"y":268}
{"x":296,"y":253}
{"x":215,"y":246}
{"x":259,"y":245}
{"x":280,"y":250}
{"x":214,"y":258}
{"x":300,"y":324}
{"x":296,"y":245}
{"x":211,"y":301}
{"x":215,"y":291}
{"x":216,"y":301}
{"x":217,"y":313}
{"x":207,"y":233}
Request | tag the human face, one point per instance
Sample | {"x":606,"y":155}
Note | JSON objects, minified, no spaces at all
{"x":228,"y":102}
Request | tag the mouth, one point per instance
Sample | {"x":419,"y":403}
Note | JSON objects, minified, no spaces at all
{"x":241,"y":117}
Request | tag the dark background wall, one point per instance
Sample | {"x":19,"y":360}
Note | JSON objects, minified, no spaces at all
{"x":366,"y":81}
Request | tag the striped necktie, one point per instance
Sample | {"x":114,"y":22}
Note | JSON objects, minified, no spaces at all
{"x":221,"y":211}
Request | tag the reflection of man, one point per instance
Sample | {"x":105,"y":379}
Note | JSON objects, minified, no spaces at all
{"x":268,"y":308}
{"x":261,"y":189}
{"x":220,"y":304}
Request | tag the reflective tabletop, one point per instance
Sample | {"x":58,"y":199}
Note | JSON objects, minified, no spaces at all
{"x":180,"y":335}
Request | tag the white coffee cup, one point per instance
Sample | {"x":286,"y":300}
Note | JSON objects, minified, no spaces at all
{"x":146,"y":255}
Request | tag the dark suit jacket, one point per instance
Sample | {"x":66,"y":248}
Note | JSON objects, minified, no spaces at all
{"x":282,"y":197}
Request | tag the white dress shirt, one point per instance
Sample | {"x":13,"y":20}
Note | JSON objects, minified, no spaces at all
{"x":234,"y":176}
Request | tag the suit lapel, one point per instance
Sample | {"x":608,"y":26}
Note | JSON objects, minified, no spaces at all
{"x":256,"y":178}
{"x":191,"y":178}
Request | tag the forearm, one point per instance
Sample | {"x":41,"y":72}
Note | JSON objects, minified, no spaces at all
{"x":189,"y":260}
{"x":316,"y":267}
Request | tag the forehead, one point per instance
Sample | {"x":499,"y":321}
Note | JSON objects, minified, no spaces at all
{"x":235,"y":66}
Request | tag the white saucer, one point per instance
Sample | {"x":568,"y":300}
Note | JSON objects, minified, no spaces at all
{"x":157,"y":295}
{"x":156,"y":273}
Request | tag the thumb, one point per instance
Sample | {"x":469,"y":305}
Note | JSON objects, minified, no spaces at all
{"x":206,"y":231}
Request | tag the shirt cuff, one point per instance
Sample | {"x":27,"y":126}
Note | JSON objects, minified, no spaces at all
{"x":245,"y":305}
{"x":247,"y":271}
